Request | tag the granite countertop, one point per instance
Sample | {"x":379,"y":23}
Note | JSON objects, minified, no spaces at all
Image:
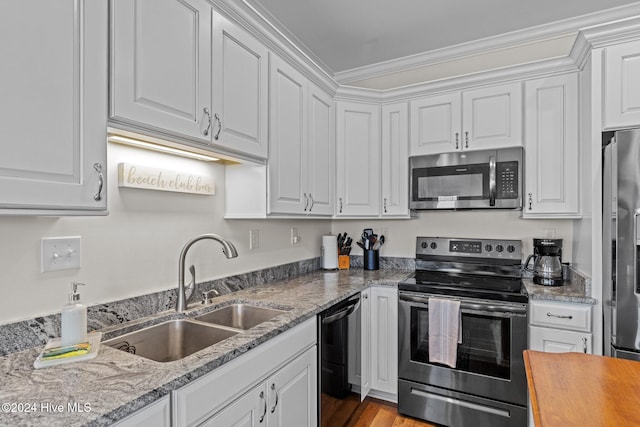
{"x":116,"y":384}
{"x":577,"y":290}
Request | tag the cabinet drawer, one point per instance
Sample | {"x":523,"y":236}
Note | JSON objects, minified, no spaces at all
{"x":575,"y":317}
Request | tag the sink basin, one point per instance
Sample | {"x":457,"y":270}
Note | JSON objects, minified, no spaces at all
{"x":240,"y":316}
{"x":170,"y":340}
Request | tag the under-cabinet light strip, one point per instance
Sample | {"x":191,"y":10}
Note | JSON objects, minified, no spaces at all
{"x":161,"y":148}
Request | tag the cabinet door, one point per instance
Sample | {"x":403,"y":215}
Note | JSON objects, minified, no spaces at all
{"x":240,"y":91}
{"x":559,"y":340}
{"x":157,"y":414}
{"x":288,"y":135}
{"x":622,"y":86}
{"x":320,"y":166}
{"x":436,"y":124}
{"x":249,"y":410}
{"x":395,"y":160}
{"x":293,"y":393}
{"x":552,"y":152}
{"x":365,"y":344}
{"x":53,"y":111}
{"x":384,"y":339}
{"x":161,"y":65}
{"x":492,"y":117}
{"x":358,"y":159}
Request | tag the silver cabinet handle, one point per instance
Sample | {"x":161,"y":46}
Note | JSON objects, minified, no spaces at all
{"x":217,"y":119}
{"x":466,"y":140}
{"x":340,"y":199}
{"x":457,"y":140}
{"x":584,"y":345}
{"x":365,"y":296}
{"x":264,"y":413}
{"x":530,"y":200}
{"x":306,"y":202}
{"x":205,"y":110}
{"x":560,"y":316}
{"x":385,"y":205}
{"x":312,"y":202}
{"x":273,"y":388}
{"x":98,"y":168}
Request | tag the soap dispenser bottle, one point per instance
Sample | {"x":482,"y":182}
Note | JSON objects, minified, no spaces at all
{"x":74,"y":319}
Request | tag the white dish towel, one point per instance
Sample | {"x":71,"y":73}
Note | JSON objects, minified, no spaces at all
{"x":445,"y":330}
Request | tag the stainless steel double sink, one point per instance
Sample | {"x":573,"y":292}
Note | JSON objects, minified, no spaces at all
{"x":175,"y":339}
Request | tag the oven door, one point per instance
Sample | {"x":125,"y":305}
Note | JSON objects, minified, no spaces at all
{"x":489,"y":360}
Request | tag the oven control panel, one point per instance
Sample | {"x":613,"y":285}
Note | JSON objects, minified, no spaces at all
{"x":478,"y":248}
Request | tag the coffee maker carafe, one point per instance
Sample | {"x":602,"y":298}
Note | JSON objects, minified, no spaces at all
{"x":547,"y":262}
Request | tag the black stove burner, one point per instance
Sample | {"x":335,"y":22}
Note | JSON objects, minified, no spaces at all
{"x":467,"y":286}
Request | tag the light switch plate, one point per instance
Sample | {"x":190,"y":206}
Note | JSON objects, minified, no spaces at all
{"x":60,"y":253}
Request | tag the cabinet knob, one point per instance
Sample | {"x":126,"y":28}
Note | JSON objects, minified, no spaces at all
{"x":340,"y":200}
{"x":385,"y":205}
{"x":457,"y":141}
{"x":466,"y":140}
{"x":530,"y":200}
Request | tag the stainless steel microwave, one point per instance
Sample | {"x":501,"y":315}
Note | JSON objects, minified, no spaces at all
{"x":487,"y":179}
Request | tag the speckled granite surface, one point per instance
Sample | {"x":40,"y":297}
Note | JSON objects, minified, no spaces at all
{"x":576,"y":290}
{"x":116,"y":384}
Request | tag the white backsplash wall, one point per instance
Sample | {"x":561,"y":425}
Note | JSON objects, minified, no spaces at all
{"x":400,"y":235}
{"x":134,"y":250}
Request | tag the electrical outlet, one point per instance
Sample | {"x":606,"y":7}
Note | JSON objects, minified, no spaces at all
{"x":549,"y":233}
{"x":254,"y":239}
{"x":295,"y":237}
{"x":60,"y":253}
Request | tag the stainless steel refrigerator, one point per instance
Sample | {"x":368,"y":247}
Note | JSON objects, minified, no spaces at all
{"x":621,"y":245}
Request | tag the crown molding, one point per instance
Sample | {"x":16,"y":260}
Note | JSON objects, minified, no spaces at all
{"x":619,"y":31}
{"x":517,"y":38}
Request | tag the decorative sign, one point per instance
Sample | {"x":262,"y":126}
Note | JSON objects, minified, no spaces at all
{"x":134,"y":176}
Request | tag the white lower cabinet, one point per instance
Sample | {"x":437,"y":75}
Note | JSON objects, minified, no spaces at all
{"x":287,"y":398}
{"x":559,"y":327}
{"x":378,"y":352}
{"x":275,"y":382}
{"x":158,"y":414}
{"x":384,"y":341}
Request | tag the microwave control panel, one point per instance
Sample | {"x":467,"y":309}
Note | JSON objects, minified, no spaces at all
{"x":507,"y":180}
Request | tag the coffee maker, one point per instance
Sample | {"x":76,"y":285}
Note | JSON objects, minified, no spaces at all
{"x":547,"y":262}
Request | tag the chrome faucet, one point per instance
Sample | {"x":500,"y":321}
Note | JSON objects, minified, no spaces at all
{"x":227,"y":249}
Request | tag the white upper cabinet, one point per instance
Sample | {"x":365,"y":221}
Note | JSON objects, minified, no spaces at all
{"x":436,"y":123}
{"x":551,"y":147}
{"x":357,"y":159}
{"x":622,"y":86}
{"x":287,"y":134}
{"x":395,"y":160}
{"x":302,"y":148}
{"x":476,"y":119}
{"x":53,"y":98}
{"x":161,"y":66}
{"x":240,"y":89}
{"x":321,"y":153}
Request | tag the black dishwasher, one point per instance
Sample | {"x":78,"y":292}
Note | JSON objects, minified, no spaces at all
{"x":333,"y":350}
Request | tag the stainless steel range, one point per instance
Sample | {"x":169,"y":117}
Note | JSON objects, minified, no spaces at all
{"x":487,"y":386}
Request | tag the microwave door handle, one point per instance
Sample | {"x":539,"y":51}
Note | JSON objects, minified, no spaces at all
{"x":492,"y":181}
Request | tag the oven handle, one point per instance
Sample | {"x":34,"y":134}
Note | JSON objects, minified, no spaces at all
{"x":520,"y":309}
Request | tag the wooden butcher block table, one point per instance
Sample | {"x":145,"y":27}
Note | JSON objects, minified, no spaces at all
{"x":575,"y":389}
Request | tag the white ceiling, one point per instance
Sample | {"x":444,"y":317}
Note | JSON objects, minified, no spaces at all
{"x":347,"y":34}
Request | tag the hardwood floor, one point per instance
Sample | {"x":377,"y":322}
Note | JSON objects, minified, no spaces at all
{"x":370,"y":413}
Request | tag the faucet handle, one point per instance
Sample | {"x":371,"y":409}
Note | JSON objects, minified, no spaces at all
{"x":207,"y":296}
